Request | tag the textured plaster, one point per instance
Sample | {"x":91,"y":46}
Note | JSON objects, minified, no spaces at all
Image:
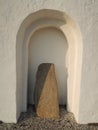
{"x":85,"y":14}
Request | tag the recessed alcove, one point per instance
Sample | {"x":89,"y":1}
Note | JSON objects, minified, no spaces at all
{"x":49,"y":36}
{"x":48,"y":45}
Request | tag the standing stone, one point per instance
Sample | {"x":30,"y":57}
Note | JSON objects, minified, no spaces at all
{"x":46,"y":92}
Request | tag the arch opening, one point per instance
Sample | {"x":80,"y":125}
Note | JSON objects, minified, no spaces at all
{"x":36,"y":25}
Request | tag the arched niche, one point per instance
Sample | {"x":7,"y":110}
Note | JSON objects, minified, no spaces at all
{"x":44,"y":19}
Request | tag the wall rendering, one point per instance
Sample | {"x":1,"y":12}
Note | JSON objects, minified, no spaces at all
{"x":83,"y":102}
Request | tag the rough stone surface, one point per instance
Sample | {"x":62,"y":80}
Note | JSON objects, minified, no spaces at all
{"x":46,"y":92}
{"x":30,"y":121}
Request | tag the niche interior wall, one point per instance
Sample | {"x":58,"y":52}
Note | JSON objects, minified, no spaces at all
{"x":48,"y":45}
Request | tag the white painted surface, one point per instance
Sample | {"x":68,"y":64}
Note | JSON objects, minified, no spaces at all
{"x":48,"y":45}
{"x":12,"y":14}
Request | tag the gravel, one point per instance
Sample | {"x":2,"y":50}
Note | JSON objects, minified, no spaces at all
{"x":30,"y":121}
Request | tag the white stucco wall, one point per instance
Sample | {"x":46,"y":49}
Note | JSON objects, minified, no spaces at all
{"x":85,"y":13}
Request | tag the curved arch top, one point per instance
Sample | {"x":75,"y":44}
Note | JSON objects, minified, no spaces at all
{"x":63,"y":22}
